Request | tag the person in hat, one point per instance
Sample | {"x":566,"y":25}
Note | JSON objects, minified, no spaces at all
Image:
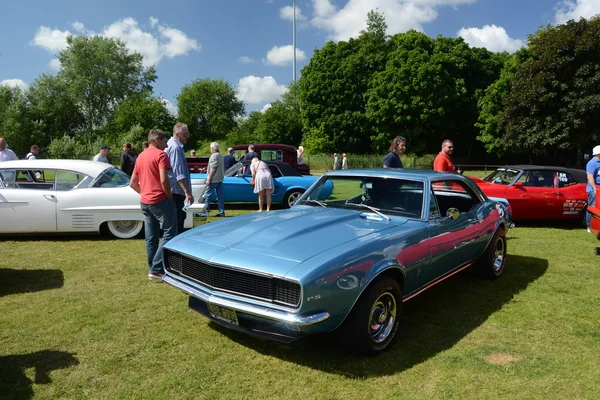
{"x":102,"y":156}
{"x":593,"y":176}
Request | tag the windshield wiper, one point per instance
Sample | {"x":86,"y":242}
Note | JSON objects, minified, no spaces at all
{"x":316,"y":202}
{"x":375,"y":210}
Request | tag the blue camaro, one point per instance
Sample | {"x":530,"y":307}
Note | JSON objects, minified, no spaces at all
{"x":345,"y":261}
{"x":288,"y":183}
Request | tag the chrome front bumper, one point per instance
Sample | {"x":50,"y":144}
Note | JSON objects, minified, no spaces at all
{"x":258,"y":311}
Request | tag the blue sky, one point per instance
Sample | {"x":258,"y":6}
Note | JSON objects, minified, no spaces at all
{"x":248,"y":42}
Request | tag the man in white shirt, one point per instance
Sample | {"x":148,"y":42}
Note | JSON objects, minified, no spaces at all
{"x":102,"y":156}
{"x":6,"y":154}
{"x":33,"y":152}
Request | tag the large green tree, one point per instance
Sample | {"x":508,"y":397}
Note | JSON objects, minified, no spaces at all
{"x":333,"y":90}
{"x":210,"y":107}
{"x":101,"y":73}
{"x":553,"y":106}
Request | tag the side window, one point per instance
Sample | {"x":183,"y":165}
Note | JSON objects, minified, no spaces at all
{"x":454,"y":194}
{"x":540,"y":179}
{"x":274,"y":171}
{"x":434,"y":211}
{"x":32,"y":179}
{"x":564,"y":179}
{"x":7,"y":178}
{"x":67,"y":180}
{"x":271,"y":155}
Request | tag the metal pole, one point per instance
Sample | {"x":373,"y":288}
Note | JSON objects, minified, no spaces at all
{"x":294,"y":40}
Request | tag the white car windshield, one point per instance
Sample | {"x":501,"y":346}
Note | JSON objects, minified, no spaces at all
{"x":111,"y":177}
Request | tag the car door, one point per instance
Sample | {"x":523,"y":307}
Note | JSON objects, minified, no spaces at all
{"x":533,"y":195}
{"x":571,"y":195}
{"x":454,"y":229}
{"x":75,"y":211}
{"x":27,"y":201}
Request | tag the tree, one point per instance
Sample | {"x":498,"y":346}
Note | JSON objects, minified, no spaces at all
{"x":209,"y":107}
{"x":246,"y":132}
{"x":142,"y":111}
{"x":280,"y":124}
{"x":333,"y":91}
{"x":553,"y":107}
{"x":16,"y":125}
{"x":101,"y":73}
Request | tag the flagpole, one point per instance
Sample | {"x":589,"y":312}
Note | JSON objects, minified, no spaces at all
{"x":294,"y":40}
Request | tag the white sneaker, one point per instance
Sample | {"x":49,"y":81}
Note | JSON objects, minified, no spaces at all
{"x":202,"y":214}
{"x":589,"y":230}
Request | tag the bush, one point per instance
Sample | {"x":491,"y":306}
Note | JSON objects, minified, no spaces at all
{"x":67,"y":147}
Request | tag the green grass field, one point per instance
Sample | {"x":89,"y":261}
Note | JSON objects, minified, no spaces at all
{"x":79,"y":319}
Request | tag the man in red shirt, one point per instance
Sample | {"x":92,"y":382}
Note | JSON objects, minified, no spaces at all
{"x":150,"y":179}
{"x":442,"y":161}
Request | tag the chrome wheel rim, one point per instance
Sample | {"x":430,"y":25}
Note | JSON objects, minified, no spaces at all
{"x":382,"y":317}
{"x":293,"y":198}
{"x":125,"y":226}
{"x":499,"y":255}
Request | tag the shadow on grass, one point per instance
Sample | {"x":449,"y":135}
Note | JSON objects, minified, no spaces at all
{"x":14,"y":383}
{"x":431,"y":323}
{"x":13,"y":281}
{"x":566,"y":224}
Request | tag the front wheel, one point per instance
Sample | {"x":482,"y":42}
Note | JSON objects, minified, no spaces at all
{"x":491,"y":263}
{"x":125,"y":229}
{"x":372,"y":325}
{"x":291,"y":197}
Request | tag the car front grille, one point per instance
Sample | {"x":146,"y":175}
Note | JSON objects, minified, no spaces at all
{"x":274,"y":290}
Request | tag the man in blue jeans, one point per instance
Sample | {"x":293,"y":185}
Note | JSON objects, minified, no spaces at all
{"x":150,"y":179}
{"x":593,"y":176}
{"x":215,"y":175}
{"x":179,"y":175}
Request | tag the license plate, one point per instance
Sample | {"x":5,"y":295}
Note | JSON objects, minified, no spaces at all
{"x":222,"y":313}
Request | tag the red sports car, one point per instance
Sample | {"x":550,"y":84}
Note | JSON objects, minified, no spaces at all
{"x":536,"y":192}
{"x":595,"y":221}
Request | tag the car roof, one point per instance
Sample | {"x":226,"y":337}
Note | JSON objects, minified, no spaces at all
{"x":264,"y":146}
{"x":579,"y":174}
{"x":91,"y":168}
{"x":406,"y":173}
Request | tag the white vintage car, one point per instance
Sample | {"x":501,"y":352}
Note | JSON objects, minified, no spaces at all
{"x":44,"y":196}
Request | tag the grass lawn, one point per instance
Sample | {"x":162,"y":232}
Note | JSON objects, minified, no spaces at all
{"x":79,"y":319}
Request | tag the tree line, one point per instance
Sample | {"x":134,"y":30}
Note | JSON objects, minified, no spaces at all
{"x":540,"y":104}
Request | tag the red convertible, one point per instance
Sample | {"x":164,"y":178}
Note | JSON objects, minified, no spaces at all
{"x":536,"y":192}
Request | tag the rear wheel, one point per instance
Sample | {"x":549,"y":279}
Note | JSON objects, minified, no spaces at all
{"x":291,"y":197}
{"x":491,"y":263}
{"x":373,"y":322}
{"x":125,"y":229}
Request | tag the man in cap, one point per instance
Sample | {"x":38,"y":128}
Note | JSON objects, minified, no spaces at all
{"x":102,"y":156}
{"x":593,"y":176}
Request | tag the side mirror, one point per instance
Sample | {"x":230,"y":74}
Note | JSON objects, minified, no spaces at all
{"x":452,"y":213}
{"x":518,"y":184}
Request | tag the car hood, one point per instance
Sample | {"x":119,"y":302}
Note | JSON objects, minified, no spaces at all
{"x":275,"y":242}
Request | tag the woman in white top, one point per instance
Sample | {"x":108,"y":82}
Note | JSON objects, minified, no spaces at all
{"x":263,"y":182}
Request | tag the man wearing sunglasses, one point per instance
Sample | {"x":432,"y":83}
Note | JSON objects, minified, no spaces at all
{"x":442,"y":161}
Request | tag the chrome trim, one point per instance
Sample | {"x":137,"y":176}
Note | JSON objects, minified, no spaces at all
{"x":263,"y":312}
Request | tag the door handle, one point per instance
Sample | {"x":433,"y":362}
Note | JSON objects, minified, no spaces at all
{"x":50,"y":196}
{"x":472,"y":221}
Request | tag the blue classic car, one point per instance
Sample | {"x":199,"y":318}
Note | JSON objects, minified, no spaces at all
{"x":288,"y":183}
{"x":343,"y":262}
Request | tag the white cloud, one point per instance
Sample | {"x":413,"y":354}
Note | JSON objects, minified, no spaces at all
{"x":283,"y":55}
{"x":287,"y":13}
{"x":492,"y":37}
{"x":568,"y":9}
{"x":52,"y":40}
{"x":400,"y":15}
{"x":153,"y":46}
{"x":54,"y":64}
{"x":252,"y":89}
{"x":14,"y":83}
{"x":265,"y":107}
{"x":170,"y":107}
{"x":78,"y":26}
{"x":245,"y":60}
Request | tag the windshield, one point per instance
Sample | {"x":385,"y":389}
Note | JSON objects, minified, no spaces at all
{"x":502,"y":176}
{"x":233,"y":170}
{"x":397,"y":197}
{"x":112,"y":177}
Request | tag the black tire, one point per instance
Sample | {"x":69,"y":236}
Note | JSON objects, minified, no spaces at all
{"x":291,"y":197}
{"x":491,"y":264}
{"x":373,"y":322}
